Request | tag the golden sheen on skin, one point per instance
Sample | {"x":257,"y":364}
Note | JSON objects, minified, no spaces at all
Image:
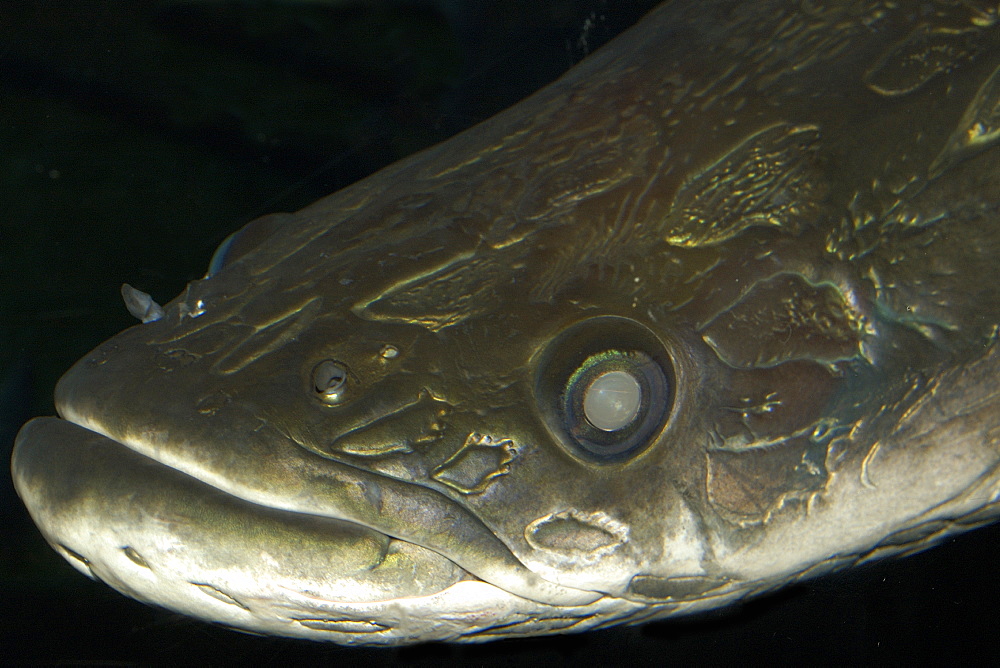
{"x":714,"y":312}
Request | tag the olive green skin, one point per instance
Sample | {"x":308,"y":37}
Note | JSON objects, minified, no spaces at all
{"x":790,"y":209}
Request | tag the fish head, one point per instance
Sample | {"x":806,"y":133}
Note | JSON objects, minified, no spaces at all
{"x":431,"y":401}
{"x":603,"y":358}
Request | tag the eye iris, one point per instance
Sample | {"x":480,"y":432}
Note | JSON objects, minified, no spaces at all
{"x":604,"y":388}
{"x":614,"y":403}
{"x":612,"y":400}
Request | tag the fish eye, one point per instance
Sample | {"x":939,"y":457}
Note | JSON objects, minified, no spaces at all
{"x":329,"y":380}
{"x":604,"y":388}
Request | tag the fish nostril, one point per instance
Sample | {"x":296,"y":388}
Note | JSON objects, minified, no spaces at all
{"x":329,"y":380}
{"x":141,"y":305}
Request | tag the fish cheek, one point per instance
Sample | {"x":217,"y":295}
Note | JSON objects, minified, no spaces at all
{"x":772,"y":434}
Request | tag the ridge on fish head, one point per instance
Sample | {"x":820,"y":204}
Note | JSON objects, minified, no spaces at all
{"x":714,"y":312}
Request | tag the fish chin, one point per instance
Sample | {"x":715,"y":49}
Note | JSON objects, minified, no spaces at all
{"x":161,"y":536}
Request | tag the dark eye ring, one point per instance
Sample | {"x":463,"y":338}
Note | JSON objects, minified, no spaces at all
{"x":604,"y":386}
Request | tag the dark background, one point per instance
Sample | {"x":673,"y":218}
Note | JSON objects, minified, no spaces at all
{"x":134,"y":136}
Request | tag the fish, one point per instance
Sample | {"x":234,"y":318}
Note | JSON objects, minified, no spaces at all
{"x":711,"y":314}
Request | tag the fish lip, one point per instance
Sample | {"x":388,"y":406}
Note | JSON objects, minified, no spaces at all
{"x":119,"y":515}
{"x":440,"y":602}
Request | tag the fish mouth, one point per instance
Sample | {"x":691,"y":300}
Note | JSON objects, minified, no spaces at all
{"x":162,"y":536}
{"x":243,"y":526}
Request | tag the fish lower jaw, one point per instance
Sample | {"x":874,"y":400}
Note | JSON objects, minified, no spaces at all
{"x":464,"y":611}
{"x":252,"y":597}
{"x":161,"y":536}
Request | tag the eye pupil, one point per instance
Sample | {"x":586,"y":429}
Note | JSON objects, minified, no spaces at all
{"x":612,"y":401}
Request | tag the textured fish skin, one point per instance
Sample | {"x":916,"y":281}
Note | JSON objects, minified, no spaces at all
{"x":361,"y":427}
